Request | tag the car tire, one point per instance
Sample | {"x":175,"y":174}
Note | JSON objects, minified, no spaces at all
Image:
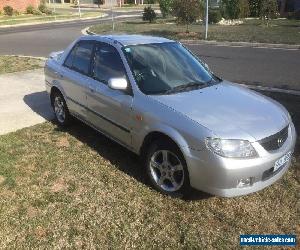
{"x":166,"y":169}
{"x":61,"y":111}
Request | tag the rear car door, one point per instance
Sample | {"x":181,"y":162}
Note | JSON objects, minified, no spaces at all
{"x":110,"y":110}
{"x":75,"y":77}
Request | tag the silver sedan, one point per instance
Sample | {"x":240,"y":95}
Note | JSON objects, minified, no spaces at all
{"x":191,"y":128}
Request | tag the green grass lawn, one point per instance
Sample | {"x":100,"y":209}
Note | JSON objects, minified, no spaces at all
{"x":9,"y":64}
{"x":279,"y":31}
{"x":74,"y":188}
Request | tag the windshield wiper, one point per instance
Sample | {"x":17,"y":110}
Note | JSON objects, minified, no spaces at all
{"x":186,"y":87}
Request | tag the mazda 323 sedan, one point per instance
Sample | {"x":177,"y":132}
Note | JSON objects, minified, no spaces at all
{"x":192,"y":129}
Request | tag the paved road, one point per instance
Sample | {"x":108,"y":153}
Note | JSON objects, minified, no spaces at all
{"x":269,"y":67}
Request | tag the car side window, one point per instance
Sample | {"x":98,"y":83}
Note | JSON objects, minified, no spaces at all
{"x":107,"y":63}
{"x":69,"y":61}
{"x":79,"y":58}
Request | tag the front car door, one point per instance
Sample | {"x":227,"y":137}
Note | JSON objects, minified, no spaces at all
{"x":110,"y":110}
{"x":75,"y":77}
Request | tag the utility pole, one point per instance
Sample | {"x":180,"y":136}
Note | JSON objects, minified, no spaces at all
{"x":206,"y":20}
{"x":54,"y":10}
{"x":79,"y":9}
{"x":112,"y":16}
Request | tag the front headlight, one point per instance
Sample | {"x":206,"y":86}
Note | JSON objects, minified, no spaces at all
{"x":231,"y":148}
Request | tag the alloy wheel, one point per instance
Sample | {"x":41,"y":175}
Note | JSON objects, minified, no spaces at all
{"x":167,"y":170}
{"x":59,"y":109}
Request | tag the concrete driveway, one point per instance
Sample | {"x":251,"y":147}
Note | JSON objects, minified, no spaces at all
{"x":23,"y":100}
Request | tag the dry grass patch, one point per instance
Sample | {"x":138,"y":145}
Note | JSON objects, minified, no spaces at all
{"x":75,"y":188}
{"x":9,"y":64}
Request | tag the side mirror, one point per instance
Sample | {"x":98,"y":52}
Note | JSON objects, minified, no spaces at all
{"x":118,"y":83}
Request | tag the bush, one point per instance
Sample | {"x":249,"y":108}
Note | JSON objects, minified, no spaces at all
{"x":29,"y":9}
{"x":8,"y":10}
{"x":48,"y":12}
{"x":16,"y":13}
{"x":269,"y":10}
{"x":149,"y":14}
{"x":165,"y":7}
{"x":37,"y":12}
{"x":187,"y":11}
{"x":44,"y":9}
{"x":214,"y":16}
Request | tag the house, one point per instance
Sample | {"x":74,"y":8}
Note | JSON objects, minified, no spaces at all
{"x":19,"y":5}
{"x":106,"y":3}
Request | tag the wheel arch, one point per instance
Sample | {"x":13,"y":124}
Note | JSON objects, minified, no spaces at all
{"x":55,"y":89}
{"x":155,"y":135}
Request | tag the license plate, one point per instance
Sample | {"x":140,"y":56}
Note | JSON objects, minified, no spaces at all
{"x":282,"y":161}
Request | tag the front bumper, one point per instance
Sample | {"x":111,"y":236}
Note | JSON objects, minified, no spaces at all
{"x":220,"y":176}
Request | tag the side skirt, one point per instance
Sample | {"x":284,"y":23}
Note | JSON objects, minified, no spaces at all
{"x":103,"y":133}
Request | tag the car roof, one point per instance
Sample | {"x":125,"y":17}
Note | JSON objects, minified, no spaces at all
{"x":126,"y":40}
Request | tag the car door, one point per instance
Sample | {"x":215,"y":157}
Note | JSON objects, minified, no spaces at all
{"x":110,"y":110}
{"x":75,"y":77}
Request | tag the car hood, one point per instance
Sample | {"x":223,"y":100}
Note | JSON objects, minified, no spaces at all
{"x":229,"y":111}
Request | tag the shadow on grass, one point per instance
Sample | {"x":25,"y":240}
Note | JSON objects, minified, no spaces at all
{"x":124,"y":159}
{"x":120,"y":157}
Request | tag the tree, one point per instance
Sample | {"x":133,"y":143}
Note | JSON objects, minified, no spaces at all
{"x":234,"y":9}
{"x":230,"y":9}
{"x":187,"y":11}
{"x":149,"y":14}
{"x":282,"y":7}
{"x":99,"y":2}
{"x":244,"y":8}
{"x":165,"y":7}
{"x":254,"y":7}
{"x":269,"y":10}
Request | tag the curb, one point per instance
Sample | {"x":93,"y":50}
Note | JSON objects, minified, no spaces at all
{"x":87,"y":32}
{"x":271,"y":89}
{"x":243,"y":44}
{"x":54,"y":21}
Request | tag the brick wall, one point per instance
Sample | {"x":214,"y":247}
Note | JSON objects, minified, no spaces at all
{"x":19,"y":5}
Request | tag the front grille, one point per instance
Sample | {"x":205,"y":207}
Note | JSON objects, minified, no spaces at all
{"x":270,"y":172}
{"x":275,"y":141}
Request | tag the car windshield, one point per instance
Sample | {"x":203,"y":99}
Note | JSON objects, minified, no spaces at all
{"x":167,"y":68}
